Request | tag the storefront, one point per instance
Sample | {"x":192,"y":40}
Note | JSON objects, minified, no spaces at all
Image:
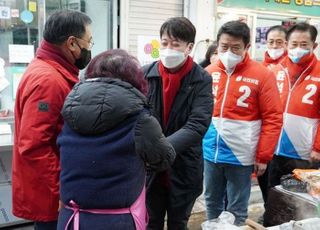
{"x":21,"y":28}
{"x":129,"y":24}
{"x":115,"y":24}
{"x":262,"y":14}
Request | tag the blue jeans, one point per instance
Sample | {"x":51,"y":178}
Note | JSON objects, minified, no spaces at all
{"x":233,"y":180}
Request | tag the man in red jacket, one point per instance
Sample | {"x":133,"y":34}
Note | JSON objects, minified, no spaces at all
{"x":40,"y":97}
{"x":298,"y":81}
{"x":276,"y":46}
{"x":246,"y":123}
{"x":275,"y":53}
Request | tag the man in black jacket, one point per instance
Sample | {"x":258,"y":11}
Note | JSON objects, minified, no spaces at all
{"x":180,"y":95}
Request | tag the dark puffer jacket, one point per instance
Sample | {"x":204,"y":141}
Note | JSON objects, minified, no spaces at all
{"x":107,"y":139}
{"x":189,"y":119}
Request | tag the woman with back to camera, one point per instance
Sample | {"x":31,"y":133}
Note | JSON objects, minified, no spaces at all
{"x":107,"y":140}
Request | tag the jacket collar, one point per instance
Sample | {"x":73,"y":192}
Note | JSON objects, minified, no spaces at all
{"x":305,"y":63}
{"x":63,"y":71}
{"x":53,"y":56}
{"x":185,"y":89}
{"x":268,"y":60}
{"x":118,"y":82}
{"x":238,"y":67}
{"x":305,"y":67}
{"x":91,"y":107}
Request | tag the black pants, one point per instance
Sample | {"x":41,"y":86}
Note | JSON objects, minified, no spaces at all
{"x":263,"y":184}
{"x":52,"y":225}
{"x":280,"y":166}
{"x":176,"y":204}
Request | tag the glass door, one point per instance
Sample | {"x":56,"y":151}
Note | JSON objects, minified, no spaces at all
{"x":21,"y":28}
{"x":19,"y":39}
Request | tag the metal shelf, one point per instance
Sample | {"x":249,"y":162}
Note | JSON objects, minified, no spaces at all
{"x":6,"y":147}
{"x":6,"y":216}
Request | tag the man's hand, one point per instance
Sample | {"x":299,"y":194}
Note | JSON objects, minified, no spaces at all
{"x":259,"y":168}
{"x":314,"y":156}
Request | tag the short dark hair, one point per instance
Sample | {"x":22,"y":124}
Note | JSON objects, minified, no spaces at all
{"x":276,"y":28}
{"x":211,"y":49}
{"x":235,"y":29}
{"x":62,"y":24}
{"x":117,"y":63}
{"x":303,"y":27}
{"x":179,"y":28}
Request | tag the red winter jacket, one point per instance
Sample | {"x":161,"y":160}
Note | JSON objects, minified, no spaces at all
{"x":247,"y":115}
{"x":300,"y":93}
{"x":40,"y":97}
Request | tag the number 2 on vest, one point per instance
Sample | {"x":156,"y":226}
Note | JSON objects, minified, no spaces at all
{"x":312,"y":91}
{"x":246,"y":93}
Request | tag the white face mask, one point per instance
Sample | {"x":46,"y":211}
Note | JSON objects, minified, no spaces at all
{"x":275,"y":53}
{"x":171,"y":58}
{"x":229,"y":59}
{"x":297,"y":53}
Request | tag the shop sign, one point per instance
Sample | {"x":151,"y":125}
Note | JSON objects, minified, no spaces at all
{"x":15,"y":13}
{"x":26,"y":16}
{"x":21,"y":53}
{"x":301,"y":7}
{"x":32,"y":6}
{"x":148,"y":49}
{"x":4,"y":12}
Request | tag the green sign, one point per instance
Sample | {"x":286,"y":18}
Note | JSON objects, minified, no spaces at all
{"x":301,"y":7}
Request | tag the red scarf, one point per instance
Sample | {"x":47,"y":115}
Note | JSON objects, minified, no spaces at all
{"x":268,"y":60}
{"x":295,"y":69}
{"x":50,"y":52}
{"x":171,"y":84}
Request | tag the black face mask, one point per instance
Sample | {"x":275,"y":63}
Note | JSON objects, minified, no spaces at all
{"x":84,"y":59}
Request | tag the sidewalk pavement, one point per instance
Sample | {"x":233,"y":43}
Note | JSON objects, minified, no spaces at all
{"x":255,"y":209}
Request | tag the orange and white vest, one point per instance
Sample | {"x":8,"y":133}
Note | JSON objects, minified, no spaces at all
{"x":301,"y":106}
{"x":247,"y":115}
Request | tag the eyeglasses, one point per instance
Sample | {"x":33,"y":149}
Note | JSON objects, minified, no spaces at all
{"x":91,"y":43}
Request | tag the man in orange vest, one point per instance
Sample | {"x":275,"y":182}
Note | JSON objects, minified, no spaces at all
{"x":245,"y":127}
{"x":298,"y":81}
{"x":275,"y":53}
{"x":276,"y":46}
